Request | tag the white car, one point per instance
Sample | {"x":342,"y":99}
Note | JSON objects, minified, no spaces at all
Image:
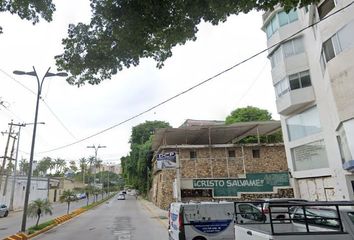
{"x":121,"y":197}
{"x":4,"y":211}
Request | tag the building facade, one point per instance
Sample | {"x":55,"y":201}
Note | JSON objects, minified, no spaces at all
{"x":312,"y":59}
{"x":221,"y":170}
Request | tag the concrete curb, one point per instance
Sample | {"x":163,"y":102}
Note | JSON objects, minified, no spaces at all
{"x":18,"y":236}
{"x":57,"y":221}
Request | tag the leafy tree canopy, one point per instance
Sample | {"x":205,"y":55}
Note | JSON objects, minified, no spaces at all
{"x":124,"y":31}
{"x":136,"y":166}
{"x":30,"y":9}
{"x":248,"y":114}
{"x":142,"y":132}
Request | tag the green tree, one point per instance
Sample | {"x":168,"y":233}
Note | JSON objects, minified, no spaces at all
{"x":83,"y":167}
{"x":73,"y":166}
{"x":137,"y":165}
{"x":44,"y":165}
{"x":68,"y":196}
{"x":123,"y":32}
{"x":248,"y":114}
{"x":39,"y":207}
{"x":30,"y":9}
{"x":24,"y":166}
{"x":251,"y":114}
{"x":60,"y":165}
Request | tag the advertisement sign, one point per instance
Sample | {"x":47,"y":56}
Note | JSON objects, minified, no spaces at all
{"x":166,"y":160}
{"x":254,"y":182}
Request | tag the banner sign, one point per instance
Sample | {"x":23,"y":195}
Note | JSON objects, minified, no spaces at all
{"x":166,"y":160}
{"x":254,"y":182}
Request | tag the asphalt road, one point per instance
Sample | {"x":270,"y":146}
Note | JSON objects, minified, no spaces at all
{"x":12,"y":224}
{"x":114,"y":220}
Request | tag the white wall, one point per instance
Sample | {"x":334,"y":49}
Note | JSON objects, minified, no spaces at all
{"x":39,"y":189}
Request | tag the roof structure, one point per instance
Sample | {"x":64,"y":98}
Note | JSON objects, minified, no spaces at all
{"x":193,"y":122}
{"x":212,"y":134}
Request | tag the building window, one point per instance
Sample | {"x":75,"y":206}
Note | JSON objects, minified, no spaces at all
{"x":282,"y":87}
{"x":325,"y":8}
{"x":193,"y":155}
{"x":300,"y":80}
{"x":276,"y":57}
{"x":288,"y":49}
{"x":293,"y":82}
{"x":339,"y":42}
{"x":343,"y":145}
{"x":256,"y":153}
{"x":190,"y":193}
{"x":303,"y":124}
{"x":293,"y":47}
{"x":286,"y":18}
{"x":280,"y":19}
{"x":232,"y":154}
{"x":310,"y":156}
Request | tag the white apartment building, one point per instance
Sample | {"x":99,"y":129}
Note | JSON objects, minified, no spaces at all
{"x":313,"y":78}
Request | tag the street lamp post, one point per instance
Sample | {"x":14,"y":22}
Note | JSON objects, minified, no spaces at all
{"x":39,"y":90}
{"x":96,"y":150}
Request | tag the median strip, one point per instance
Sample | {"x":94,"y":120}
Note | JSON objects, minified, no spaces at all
{"x":43,"y":227}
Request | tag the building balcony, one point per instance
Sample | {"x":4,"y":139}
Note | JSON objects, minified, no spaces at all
{"x":295,"y":100}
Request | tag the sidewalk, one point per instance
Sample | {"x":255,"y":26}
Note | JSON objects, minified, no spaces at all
{"x":159,"y":214}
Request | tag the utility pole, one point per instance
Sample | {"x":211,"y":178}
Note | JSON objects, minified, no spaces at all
{"x":5,"y":155}
{"x":9,"y":164}
{"x":96,"y":150}
{"x":11,"y":205}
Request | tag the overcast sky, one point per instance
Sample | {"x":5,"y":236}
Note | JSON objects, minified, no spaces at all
{"x":72,"y":113}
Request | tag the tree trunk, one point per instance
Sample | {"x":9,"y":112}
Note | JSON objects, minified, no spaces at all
{"x":39,"y":216}
{"x":68,"y":208}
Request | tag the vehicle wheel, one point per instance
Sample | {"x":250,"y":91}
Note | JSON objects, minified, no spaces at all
{"x":6,"y":213}
{"x":199,"y":238}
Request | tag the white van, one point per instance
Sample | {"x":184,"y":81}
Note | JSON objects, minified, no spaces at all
{"x":206,"y":220}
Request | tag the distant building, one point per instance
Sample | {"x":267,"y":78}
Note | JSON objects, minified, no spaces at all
{"x":313,"y":74}
{"x":111,"y":167}
{"x":214,"y":166}
{"x":59,"y":184}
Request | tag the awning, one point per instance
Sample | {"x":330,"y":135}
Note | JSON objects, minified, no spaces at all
{"x":213,"y":134}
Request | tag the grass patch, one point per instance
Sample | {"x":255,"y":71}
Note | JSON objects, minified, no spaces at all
{"x":98,"y":202}
{"x":34,"y":229}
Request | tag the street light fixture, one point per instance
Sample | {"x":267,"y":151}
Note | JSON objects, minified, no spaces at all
{"x":39,"y":90}
{"x":96,"y":150}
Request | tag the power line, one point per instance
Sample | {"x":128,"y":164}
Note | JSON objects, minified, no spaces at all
{"x":198,"y":84}
{"x":42,"y":99}
{"x":58,"y":119}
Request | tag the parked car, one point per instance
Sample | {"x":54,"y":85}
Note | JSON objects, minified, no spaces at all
{"x":121,"y":197}
{"x":81,"y":195}
{"x":4,"y":211}
{"x":278,"y":212}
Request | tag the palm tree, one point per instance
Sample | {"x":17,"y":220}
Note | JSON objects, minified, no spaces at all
{"x":83,"y":166}
{"x":99,"y":165}
{"x":91,"y":161}
{"x":24,"y":166}
{"x":38,"y":207}
{"x":68,"y":196}
{"x":60,"y":164}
